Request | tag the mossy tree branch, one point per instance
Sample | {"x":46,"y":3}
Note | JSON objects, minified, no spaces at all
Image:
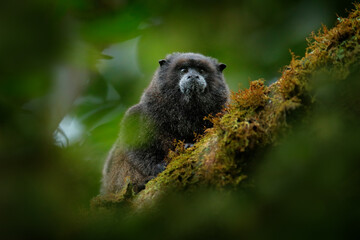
{"x":255,"y":119}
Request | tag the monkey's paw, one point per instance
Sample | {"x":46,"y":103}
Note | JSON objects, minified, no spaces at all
{"x":188,"y":145}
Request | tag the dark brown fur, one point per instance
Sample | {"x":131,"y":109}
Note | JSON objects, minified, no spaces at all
{"x":164,"y":113}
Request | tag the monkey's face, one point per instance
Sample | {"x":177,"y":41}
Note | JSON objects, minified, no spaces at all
{"x":192,"y":81}
{"x":189,"y":76}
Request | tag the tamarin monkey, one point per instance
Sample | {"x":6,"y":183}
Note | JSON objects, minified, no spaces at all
{"x":185,"y":88}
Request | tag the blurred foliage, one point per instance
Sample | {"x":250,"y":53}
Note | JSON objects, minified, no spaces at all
{"x":54,"y":66}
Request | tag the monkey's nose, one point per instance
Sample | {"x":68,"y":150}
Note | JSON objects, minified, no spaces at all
{"x":193,"y":77}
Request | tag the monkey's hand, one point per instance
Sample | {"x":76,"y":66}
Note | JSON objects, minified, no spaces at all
{"x":188,"y":145}
{"x":159,"y":168}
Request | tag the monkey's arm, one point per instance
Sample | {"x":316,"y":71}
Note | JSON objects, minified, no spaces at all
{"x":141,"y":142}
{"x":136,"y":154}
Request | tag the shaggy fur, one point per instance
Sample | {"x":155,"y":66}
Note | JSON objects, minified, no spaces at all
{"x":164,"y":113}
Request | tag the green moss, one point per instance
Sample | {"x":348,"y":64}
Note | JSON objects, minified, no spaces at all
{"x":115,"y":201}
{"x":254,"y":118}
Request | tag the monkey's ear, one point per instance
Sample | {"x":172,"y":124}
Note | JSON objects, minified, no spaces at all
{"x":221,"y":67}
{"x":162,"y":62}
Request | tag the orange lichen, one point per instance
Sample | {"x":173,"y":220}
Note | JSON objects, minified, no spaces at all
{"x":253,"y":97}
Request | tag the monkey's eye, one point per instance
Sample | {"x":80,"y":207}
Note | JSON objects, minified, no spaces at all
{"x":183,"y":70}
{"x":201,"y":71}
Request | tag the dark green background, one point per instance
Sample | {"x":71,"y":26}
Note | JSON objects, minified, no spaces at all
{"x":53,"y":66}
